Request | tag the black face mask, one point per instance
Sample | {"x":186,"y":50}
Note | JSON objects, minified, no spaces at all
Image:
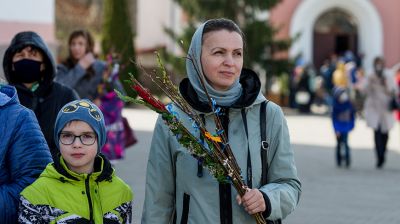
{"x":27,"y":71}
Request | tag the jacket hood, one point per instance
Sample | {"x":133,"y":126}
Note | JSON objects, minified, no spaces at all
{"x":21,"y":40}
{"x":59,"y":170}
{"x":8,"y":95}
{"x":250,"y":94}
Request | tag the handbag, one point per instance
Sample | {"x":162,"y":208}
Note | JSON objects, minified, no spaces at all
{"x":394,"y":103}
{"x":302,"y":97}
{"x":129,"y":135}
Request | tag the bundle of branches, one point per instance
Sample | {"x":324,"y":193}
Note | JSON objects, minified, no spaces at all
{"x":212,"y":149}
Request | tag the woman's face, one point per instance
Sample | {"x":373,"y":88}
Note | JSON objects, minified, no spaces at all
{"x":78,"y":47}
{"x":222,"y":58}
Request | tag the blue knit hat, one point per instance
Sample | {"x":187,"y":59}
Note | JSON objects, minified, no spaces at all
{"x":81,"y":110}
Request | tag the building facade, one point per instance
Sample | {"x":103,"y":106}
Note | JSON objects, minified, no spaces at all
{"x":26,"y":15}
{"x":151,"y":24}
{"x":368,"y":28}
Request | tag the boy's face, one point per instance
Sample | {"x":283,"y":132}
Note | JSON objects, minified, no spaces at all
{"x":31,"y":53}
{"x":78,"y":156}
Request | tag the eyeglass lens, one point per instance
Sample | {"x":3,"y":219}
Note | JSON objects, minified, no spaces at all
{"x":86,"y":139}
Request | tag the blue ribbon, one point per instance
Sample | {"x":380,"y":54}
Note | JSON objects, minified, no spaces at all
{"x":171,"y":111}
{"x":216,"y":110}
{"x":219,"y":132}
{"x":213,"y":103}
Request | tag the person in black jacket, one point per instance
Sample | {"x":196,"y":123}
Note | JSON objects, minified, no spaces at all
{"x":29,"y":66}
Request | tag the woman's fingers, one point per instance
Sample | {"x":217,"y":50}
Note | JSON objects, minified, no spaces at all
{"x":252,"y":201}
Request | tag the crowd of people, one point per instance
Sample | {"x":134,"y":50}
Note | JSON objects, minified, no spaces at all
{"x":62,"y":129}
{"x":47,"y":175}
{"x":349,"y":91}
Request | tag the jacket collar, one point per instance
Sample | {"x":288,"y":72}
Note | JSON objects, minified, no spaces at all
{"x":102,"y":170}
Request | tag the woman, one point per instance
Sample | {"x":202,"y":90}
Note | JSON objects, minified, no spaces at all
{"x":379,"y":88}
{"x":81,"y":70}
{"x":176,"y":185}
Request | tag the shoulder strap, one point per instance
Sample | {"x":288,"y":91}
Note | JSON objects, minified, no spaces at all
{"x":264,"y":143}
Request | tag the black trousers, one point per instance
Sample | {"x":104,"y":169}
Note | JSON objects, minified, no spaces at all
{"x":381,"y":139}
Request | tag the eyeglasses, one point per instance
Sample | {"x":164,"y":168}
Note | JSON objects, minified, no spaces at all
{"x":69,"y":138}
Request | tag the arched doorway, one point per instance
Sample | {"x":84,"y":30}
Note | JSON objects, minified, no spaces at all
{"x":335,"y":32}
{"x":369,"y":27}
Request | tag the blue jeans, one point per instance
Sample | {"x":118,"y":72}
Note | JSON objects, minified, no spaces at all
{"x":342,"y":143}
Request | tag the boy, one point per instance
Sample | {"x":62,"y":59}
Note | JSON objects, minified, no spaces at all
{"x":79,"y":187}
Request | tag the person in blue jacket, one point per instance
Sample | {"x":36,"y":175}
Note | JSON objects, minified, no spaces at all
{"x":343,"y":119}
{"x":23,"y":151}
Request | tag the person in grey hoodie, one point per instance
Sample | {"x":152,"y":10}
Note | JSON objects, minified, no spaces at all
{"x":177,"y":187}
{"x":81,"y":70}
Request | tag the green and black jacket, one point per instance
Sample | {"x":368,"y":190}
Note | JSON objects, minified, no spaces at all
{"x":62,"y":196}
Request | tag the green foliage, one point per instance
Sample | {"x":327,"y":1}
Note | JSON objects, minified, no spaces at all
{"x":259,"y":41}
{"x":259,"y":34}
{"x":231,"y":9}
{"x":185,"y":138}
{"x":182,"y":40}
{"x":118,"y":38}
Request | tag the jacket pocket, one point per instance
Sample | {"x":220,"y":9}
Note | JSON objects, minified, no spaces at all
{"x":185,"y":208}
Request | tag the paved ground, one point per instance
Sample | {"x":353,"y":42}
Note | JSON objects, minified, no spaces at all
{"x":361,"y":194}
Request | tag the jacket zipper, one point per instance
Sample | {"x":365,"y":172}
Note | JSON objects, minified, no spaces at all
{"x":89,"y":198}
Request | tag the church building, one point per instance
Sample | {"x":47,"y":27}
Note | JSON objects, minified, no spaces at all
{"x":368,"y":28}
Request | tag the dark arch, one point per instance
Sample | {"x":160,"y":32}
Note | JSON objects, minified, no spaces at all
{"x":335,"y":32}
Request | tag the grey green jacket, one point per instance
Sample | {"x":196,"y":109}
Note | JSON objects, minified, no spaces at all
{"x":172,"y":171}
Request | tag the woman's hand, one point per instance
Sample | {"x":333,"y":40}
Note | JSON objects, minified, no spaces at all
{"x":87,"y":60}
{"x":252,"y":201}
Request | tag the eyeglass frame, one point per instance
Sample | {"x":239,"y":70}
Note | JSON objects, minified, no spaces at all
{"x":78,"y":136}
